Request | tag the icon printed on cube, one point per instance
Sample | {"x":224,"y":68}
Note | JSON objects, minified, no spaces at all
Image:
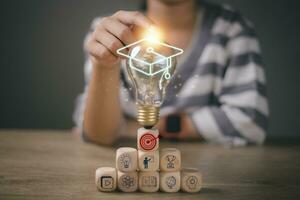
{"x":107,"y":182}
{"x":148,"y":160}
{"x":126,"y":159}
{"x":148,"y":139}
{"x":170,"y":181}
{"x":148,"y":169}
{"x":149,"y":181}
{"x":191,"y":180}
{"x":170,"y":159}
{"x":106,"y":179}
{"x":127,"y":181}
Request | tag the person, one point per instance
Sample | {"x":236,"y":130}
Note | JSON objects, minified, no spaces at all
{"x":146,"y":161}
{"x":218,"y":90}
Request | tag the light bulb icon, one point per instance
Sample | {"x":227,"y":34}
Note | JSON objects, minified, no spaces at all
{"x":125,"y":160}
{"x":150,"y":65}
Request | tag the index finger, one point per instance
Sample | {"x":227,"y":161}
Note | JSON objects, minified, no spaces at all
{"x":133,"y":18}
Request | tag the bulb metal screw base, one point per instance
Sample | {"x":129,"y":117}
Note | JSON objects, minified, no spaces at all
{"x":147,"y":115}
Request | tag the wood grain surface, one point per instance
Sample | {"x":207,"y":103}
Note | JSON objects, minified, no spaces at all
{"x":57,"y":165}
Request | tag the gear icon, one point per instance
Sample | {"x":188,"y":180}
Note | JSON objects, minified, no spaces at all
{"x":127,"y":181}
{"x":191,"y":182}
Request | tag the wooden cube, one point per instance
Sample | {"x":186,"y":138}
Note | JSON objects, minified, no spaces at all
{"x":169,"y":181}
{"x":191,"y":180}
{"x":127,"y":181}
{"x":106,"y":179}
{"x":126,"y":159}
{"x":148,"y":160}
{"x":170,"y":160}
{"x":147,"y":139}
{"x":149,"y":181}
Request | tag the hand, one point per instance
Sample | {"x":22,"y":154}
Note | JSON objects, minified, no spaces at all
{"x":112,"y":33}
{"x":187,"y":128}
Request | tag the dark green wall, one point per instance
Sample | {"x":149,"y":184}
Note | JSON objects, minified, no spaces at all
{"x":41,"y":58}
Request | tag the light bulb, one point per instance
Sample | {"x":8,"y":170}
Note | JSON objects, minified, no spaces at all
{"x":150,"y":65}
{"x":150,"y":89}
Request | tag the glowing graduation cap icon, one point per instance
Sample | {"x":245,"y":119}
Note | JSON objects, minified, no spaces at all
{"x":154,"y":47}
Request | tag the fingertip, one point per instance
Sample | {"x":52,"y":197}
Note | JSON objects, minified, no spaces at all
{"x":151,"y":25}
{"x":147,"y":23}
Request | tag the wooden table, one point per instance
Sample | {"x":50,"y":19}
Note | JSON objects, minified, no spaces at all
{"x":56,"y":165}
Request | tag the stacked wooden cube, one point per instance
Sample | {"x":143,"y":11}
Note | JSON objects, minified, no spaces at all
{"x":147,"y":169}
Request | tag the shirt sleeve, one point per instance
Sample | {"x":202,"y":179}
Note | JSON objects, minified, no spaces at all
{"x":126,"y":94}
{"x":80,"y":101}
{"x":241,"y":116}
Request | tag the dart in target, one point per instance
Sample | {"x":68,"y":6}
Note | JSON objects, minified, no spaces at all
{"x":148,"y":142}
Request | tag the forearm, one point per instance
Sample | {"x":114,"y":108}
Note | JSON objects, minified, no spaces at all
{"x":228,"y":124}
{"x":103,"y":115}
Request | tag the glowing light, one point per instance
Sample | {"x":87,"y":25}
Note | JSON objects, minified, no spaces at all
{"x":150,"y":42}
{"x":153,"y":35}
{"x":150,"y":65}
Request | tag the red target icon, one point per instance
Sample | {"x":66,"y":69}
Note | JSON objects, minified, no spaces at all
{"x":148,"y":141}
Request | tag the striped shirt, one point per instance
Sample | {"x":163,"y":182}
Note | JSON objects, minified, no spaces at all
{"x":220,"y":81}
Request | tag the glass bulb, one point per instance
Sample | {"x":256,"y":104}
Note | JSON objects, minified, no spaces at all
{"x":150,"y":68}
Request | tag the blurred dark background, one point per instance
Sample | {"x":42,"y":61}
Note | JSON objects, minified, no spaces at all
{"x":42,"y":59}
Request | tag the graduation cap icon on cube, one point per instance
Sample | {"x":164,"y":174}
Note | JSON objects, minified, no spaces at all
{"x":150,"y":57}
